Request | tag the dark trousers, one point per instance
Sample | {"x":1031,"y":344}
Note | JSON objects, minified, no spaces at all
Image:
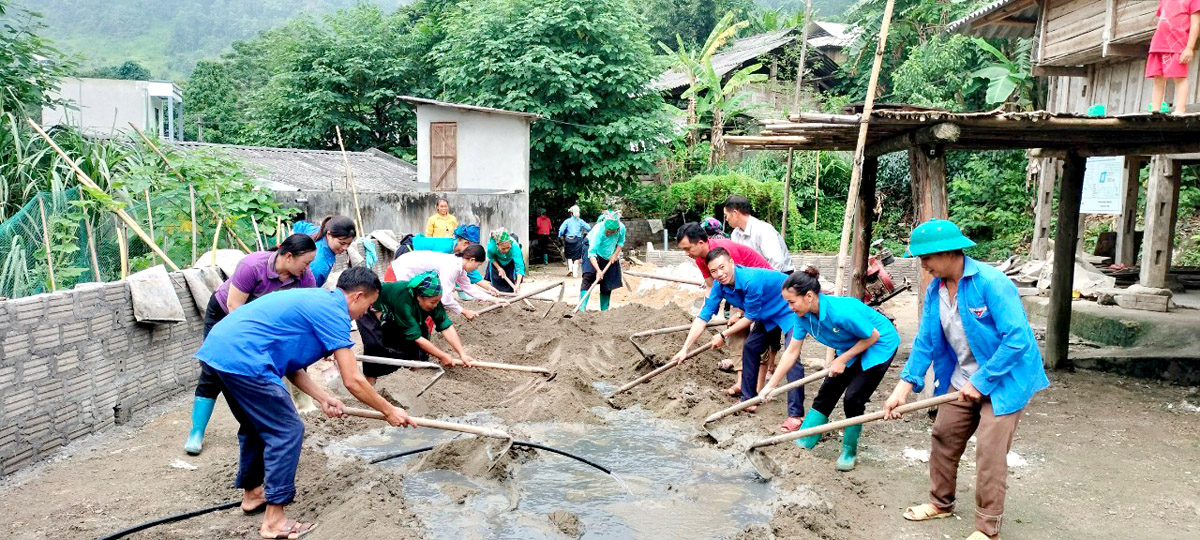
{"x":270,"y":434}
{"x":392,"y":345}
{"x":858,"y":385}
{"x":497,"y":280}
{"x":207,"y":386}
{"x":757,"y":343}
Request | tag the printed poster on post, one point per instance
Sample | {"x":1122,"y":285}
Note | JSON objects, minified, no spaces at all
{"x":1103,"y":185}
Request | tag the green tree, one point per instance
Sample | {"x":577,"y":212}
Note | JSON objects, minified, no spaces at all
{"x":29,"y":70}
{"x":937,"y":74}
{"x":693,"y":63}
{"x":128,"y":71}
{"x":584,"y":67}
{"x":214,"y":106}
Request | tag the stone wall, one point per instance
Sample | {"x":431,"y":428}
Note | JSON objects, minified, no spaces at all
{"x":900,"y":269}
{"x":74,"y":363}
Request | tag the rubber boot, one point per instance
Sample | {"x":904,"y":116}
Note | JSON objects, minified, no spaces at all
{"x":604,"y":299}
{"x":849,"y":448}
{"x":583,"y":300}
{"x":811,"y":420}
{"x":202,"y":409}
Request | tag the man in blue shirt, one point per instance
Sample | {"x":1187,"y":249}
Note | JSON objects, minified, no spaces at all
{"x":975,"y":333}
{"x":755,"y":291}
{"x":276,"y":336}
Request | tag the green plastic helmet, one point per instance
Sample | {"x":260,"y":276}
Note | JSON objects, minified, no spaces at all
{"x":936,"y":236}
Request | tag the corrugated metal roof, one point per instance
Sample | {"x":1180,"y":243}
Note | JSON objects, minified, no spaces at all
{"x":732,"y":57}
{"x":1020,"y":10}
{"x":290,"y":169}
{"x":476,"y":108}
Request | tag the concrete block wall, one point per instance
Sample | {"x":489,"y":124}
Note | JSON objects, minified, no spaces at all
{"x":74,"y":363}
{"x":900,"y":269}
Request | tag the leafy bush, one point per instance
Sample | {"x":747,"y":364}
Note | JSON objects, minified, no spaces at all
{"x":991,"y":201}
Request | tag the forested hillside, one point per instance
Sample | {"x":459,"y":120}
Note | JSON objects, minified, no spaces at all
{"x":168,"y":37}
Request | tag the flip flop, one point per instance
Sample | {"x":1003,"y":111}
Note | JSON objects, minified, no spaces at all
{"x":791,"y":424}
{"x":924,"y":512}
{"x":292,"y":527}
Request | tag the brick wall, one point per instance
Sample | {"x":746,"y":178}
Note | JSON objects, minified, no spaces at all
{"x":75,"y":363}
{"x":902,"y":268}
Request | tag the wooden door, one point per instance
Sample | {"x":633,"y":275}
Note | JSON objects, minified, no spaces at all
{"x":443,"y":156}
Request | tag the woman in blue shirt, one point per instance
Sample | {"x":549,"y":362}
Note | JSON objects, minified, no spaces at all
{"x":865,"y":342}
{"x":333,"y":238}
{"x":572,"y":231}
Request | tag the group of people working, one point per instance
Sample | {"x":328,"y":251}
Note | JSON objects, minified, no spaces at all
{"x":973,"y":332}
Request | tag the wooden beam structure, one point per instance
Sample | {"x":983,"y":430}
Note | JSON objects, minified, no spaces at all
{"x":927,"y":169}
{"x":1161,"y":200}
{"x":1058,"y":315}
{"x":935,"y":135}
{"x":1127,"y":247}
{"x":1059,"y":71}
{"x":864,"y":221}
{"x":1043,"y":206}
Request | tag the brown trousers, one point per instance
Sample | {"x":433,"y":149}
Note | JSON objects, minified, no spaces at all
{"x":956,"y":422}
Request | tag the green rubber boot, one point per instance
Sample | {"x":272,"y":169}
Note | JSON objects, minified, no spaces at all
{"x":849,"y":448}
{"x":202,"y":409}
{"x":583,"y":300}
{"x":604,"y":299}
{"x":811,"y":420}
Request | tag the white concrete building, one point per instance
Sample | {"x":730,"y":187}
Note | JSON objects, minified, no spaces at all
{"x":102,"y":107}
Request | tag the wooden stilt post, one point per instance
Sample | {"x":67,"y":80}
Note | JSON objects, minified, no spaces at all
{"x":860,"y":147}
{"x":927,"y":167}
{"x":1161,"y":199}
{"x":864,"y":219}
{"x":1127,"y":247}
{"x":46,"y":243}
{"x":1058,"y":316}
{"x":1043,"y":208}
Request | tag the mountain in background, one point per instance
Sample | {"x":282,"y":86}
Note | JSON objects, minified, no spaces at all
{"x":167,"y":37}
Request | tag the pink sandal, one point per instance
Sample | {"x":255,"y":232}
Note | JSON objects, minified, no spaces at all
{"x":791,"y":424}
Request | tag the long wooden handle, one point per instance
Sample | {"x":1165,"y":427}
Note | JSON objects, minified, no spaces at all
{"x":857,"y":420}
{"x":657,"y":371}
{"x":430,"y":423}
{"x":521,"y":296}
{"x":508,"y":367}
{"x":665,"y":278}
{"x":415,"y":364}
{"x":679,"y":328}
{"x":514,"y":287}
{"x":588,"y":295}
{"x":760,"y":398}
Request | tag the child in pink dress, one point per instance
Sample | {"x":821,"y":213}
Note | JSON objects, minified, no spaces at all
{"x":1171,"y":50}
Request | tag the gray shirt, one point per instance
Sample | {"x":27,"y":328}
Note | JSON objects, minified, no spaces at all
{"x":952,"y":327}
{"x":761,"y":236}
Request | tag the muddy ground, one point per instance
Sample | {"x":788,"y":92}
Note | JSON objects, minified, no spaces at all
{"x":1104,"y":457}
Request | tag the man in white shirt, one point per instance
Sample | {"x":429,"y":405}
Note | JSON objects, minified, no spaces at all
{"x":759,"y":235}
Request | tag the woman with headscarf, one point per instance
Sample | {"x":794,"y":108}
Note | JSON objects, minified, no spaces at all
{"x":712,"y":227}
{"x":442,"y":223}
{"x":259,"y":273}
{"x":573,"y":232}
{"x":402,"y":310}
{"x":507,"y":268}
{"x":333,"y":238}
{"x":603,"y":245}
{"x":451,"y":269}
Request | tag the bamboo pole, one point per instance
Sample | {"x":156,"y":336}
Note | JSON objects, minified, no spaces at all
{"x":122,"y":247}
{"x":46,"y":243}
{"x":88,"y":182}
{"x":179,"y":175}
{"x":91,"y":241}
{"x":800,"y":66}
{"x":353,"y":185}
{"x":787,"y":192}
{"x":665,"y":278}
{"x":150,"y":221}
{"x":257,"y":236}
{"x":278,"y":231}
{"x":216,"y":237}
{"x":817,"y":190}
{"x":192,"y":200}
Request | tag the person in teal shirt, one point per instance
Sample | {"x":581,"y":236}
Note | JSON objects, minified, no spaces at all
{"x":507,"y":268}
{"x":603,"y":248}
{"x":464,"y":235}
{"x":865,"y":342}
{"x":975,"y":334}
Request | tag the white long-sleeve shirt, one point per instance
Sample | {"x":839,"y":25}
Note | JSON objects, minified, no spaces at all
{"x":450,"y":273}
{"x":763,"y":238}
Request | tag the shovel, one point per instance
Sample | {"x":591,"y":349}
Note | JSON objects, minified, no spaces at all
{"x":412,"y":364}
{"x":768,"y":468}
{"x":506,"y":444}
{"x":521,"y":296}
{"x":588,"y":295}
{"x":660,"y":331}
{"x":666,"y":278}
{"x":722,"y":434}
{"x":657,"y":371}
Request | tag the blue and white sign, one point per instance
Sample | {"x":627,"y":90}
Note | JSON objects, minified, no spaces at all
{"x":1103,"y":185}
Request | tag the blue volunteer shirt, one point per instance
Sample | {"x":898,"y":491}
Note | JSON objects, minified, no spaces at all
{"x":280,"y":333}
{"x":441,"y":245}
{"x":323,"y":262}
{"x":756,"y":291}
{"x":840,"y":324}
{"x":998,"y":332}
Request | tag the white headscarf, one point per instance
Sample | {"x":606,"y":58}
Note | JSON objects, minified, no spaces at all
{"x":574,"y":210}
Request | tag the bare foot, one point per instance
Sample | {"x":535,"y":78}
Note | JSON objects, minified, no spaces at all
{"x":254,"y":500}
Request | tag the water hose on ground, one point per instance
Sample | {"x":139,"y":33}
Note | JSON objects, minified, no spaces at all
{"x":528,"y":444}
{"x":170,"y":519}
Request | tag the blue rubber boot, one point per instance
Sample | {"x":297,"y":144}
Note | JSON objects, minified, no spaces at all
{"x":202,"y":410}
{"x":849,"y":449}
{"x":604,"y":299}
{"x":811,"y":420}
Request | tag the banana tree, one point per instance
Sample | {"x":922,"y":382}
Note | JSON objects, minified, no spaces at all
{"x":691,"y":63}
{"x":1006,"y":78}
{"x":723,"y":99}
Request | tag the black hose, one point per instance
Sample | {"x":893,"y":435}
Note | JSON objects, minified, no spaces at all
{"x":170,"y":519}
{"x":401,"y":454}
{"x":564,"y":453}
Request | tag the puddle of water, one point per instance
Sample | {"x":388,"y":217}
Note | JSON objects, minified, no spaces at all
{"x":679,"y":486}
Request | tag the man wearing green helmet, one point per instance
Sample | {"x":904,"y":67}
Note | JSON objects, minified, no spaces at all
{"x":975,"y":334}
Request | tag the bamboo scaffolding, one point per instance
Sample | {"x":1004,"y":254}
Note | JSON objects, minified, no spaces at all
{"x":46,"y":244}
